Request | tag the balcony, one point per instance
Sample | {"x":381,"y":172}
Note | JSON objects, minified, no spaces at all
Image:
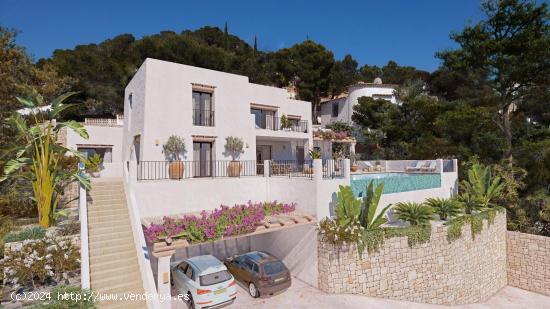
{"x":202,"y":117}
{"x":274,"y":124}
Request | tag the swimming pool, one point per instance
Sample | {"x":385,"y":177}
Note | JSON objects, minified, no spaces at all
{"x":395,"y":182}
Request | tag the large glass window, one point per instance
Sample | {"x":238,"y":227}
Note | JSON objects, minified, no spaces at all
{"x":264,"y":119}
{"x":106,"y":153}
{"x":203,"y":112}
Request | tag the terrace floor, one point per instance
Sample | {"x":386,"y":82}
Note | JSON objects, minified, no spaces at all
{"x":301,"y":295}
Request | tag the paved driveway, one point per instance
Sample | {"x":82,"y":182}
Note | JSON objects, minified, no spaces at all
{"x":301,"y":295}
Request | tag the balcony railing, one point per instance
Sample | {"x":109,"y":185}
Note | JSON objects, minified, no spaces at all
{"x":292,"y":168}
{"x":274,"y":123}
{"x":159,"y":170}
{"x":202,"y":117}
{"x":333,"y":168}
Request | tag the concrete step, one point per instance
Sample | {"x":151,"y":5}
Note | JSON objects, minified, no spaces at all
{"x":106,"y":243}
{"x":107,"y":198}
{"x":112,"y":211}
{"x":95,"y":219}
{"x":106,"y":186}
{"x":121,"y":288}
{"x":108,"y":236}
{"x":106,"y":224}
{"x":123,"y":254}
{"x":97,"y":230}
{"x":120,"y":279}
{"x":135,"y":304}
{"x":113,"y":264}
{"x":99,"y":206}
{"x":97,"y":251}
{"x":102,"y":274}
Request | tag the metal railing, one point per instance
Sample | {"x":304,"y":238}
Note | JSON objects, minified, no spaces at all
{"x":292,"y":168}
{"x":274,"y":123}
{"x":202,"y":117}
{"x":333,"y":168}
{"x":177,"y":170}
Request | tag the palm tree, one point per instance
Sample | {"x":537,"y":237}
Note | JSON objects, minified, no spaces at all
{"x":482,"y":185}
{"x":37,"y":154}
{"x":444,"y":207}
{"x":414,"y":213}
{"x":469,"y":202}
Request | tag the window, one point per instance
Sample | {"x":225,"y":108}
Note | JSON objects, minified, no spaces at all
{"x":106,"y":153}
{"x":272,"y":268}
{"x":189,"y":272}
{"x":335,"y":109}
{"x":203,"y":113}
{"x":215,"y":278}
{"x":264,"y":119}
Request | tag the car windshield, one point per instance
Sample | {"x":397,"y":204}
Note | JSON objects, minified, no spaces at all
{"x":214,"y":278}
{"x":273,"y":267}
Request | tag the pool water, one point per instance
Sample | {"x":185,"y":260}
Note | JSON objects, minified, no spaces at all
{"x":395,"y":182}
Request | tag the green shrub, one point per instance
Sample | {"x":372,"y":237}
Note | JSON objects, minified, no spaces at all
{"x":416,"y":234}
{"x":69,"y":228}
{"x":331,"y":232}
{"x":35,"y":232}
{"x":469,"y":202}
{"x":82,"y":298}
{"x":414,"y":213}
{"x":445,"y":207}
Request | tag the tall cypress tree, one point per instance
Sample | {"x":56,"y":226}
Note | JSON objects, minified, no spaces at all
{"x":255,"y":46}
{"x":226,"y":36}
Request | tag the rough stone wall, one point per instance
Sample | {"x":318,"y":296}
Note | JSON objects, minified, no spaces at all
{"x":529,"y":262}
{"x":438,"y":272}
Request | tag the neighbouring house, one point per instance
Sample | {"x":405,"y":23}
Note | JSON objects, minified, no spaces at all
{"x":340,"y":109}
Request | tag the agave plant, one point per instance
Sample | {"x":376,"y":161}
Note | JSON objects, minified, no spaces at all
{"x":348,"y":207}
{"x":37,"y":155}
{"x":445,"y":207}
{"x":368,"y":217}
{"x":469,"y":202}
{"x":414,"y":213}
{"x":482,"y":185}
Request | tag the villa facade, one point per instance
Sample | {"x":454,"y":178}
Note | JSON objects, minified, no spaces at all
{"x":205,"y":107}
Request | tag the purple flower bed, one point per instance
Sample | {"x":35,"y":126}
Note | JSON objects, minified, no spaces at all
{"x":223,"y":221}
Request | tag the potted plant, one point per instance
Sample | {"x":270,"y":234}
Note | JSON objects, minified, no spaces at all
{"x":353,"y":158}
{"x":234,"y":147}
{"x":93,"y":165}
{"x":286,"y":124}
{"x":173,"y":149}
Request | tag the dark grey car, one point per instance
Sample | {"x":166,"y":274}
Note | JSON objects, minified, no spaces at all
{"x":261,"y":272}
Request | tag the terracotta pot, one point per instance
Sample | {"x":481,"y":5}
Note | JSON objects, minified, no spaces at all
{"x":234,"y":169}
{"x":176,"y":169}
{"x":354,"y":168}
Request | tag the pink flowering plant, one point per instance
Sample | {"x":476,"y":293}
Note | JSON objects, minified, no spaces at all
{"x":224,"y":221}
{"x":341,"y":135}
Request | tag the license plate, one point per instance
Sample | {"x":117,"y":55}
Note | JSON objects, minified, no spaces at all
{"x":279,"y":279}
{"x":220,"y":291}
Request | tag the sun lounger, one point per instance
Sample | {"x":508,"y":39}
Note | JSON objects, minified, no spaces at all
{"x":430,"y":168}
{"x":418,"y":167}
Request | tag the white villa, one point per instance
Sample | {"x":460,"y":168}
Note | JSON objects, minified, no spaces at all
{"x":341,"y":108}
{"x":205,"y":107}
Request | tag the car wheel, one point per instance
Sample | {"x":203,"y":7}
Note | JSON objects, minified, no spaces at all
{"x":252,"y":290}
{"x":190,"y":302}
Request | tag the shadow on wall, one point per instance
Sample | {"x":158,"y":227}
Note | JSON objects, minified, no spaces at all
{"x":332,"y":204}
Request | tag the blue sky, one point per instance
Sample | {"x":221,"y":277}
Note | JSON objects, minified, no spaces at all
{"x":409,"y":32}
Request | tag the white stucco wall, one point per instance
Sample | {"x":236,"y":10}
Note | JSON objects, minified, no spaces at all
{"x":105,"y":136}
{"x":162,"y":94}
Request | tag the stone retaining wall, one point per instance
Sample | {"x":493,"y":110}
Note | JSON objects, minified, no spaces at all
{"x":462,"y":272}
{"x":529,"y":262}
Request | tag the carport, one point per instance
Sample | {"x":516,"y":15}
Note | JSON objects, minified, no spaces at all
{"x":291,"y":237}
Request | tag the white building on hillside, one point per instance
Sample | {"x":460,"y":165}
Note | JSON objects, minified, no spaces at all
{"x":205,"y":107}
{"x":341,"y":108}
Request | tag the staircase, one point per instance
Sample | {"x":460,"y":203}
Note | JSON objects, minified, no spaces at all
{"x":114,"y":267}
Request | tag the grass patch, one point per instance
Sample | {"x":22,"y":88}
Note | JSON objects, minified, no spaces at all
{"x":28,"y":233}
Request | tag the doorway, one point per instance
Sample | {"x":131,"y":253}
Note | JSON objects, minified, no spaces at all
{"x":263,"y":152}
{"x":202,"y":159}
